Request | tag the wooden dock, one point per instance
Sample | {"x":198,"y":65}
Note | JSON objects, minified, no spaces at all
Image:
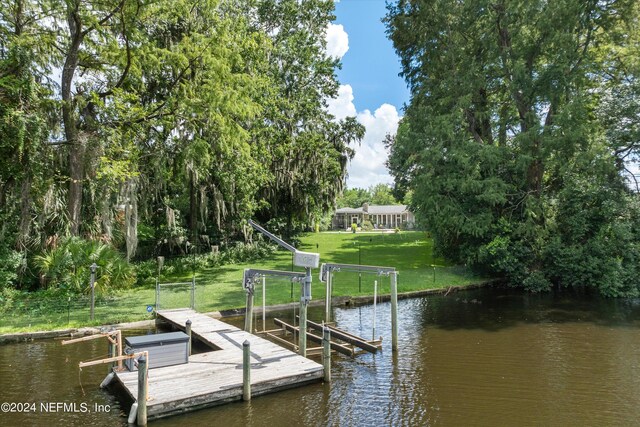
{"x":215,"y":377}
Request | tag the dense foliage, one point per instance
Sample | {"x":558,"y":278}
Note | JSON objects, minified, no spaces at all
{"x":522,"y":119}
{"x":379,"y":194}
{"x":168,"y":122}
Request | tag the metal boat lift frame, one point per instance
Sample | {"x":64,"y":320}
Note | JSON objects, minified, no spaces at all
{"x":326,"y":276}
{"x":308,"y":260}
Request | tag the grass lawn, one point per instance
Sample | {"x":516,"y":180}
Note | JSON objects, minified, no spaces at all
{"x":220,"y":288}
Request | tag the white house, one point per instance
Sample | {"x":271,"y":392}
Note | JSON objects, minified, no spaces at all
{"x":380,"y":216}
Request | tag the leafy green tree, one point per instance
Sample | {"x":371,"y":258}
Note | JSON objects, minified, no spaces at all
{"x":353,"y":198}
{"x":381,"y":195}
{"x":305,"y":150}
{"x":500,"y":137}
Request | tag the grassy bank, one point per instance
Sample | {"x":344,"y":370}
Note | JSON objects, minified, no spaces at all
{"x":220,"y":288}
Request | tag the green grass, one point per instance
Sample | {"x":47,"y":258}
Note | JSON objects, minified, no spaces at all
{"x":220,"y":288}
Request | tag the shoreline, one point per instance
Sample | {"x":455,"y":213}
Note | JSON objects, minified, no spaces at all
{"x":345,"y":301}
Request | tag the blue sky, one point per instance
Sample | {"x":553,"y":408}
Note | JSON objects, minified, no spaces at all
{"x":370,"y":88}
{"x":370,"y":65}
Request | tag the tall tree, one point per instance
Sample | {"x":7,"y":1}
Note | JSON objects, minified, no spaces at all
{"x":307,"y":152}
{"x":500,"y":130}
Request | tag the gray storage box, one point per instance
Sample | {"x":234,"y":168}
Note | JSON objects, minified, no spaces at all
{"x":164,"y":349}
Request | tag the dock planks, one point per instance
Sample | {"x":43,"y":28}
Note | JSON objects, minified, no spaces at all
{"x":215,"y":377}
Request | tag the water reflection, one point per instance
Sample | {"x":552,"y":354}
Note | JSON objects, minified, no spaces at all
{"x":482,"y":357}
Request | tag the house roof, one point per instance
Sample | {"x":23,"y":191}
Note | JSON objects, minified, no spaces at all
{"x":376,"y":210}
{"x":387,"y":209}
{"x":349,"y":210}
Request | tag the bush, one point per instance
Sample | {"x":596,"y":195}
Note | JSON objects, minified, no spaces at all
{"x":10,"y":261}
{"x":367,"y":225}
{"x":68,"y":266}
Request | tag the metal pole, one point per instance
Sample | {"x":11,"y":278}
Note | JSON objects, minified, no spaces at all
{"x":394,"y":310}
{"x":264,"y":305}
{"x":302,"y":338}
{"x":305,"y":297}
{"x":375,"y":297}
{"x":246,"y":371}
{"x":327,"y":301}
{"x":157,"y":296}
{"x":193,"y":292}
{"x":93,"y":268}
{"x":359,"y":263}
{"x":248,"y":316}
{"x":142,"y":391}
{"x":187,"y":329}
{"x":326,"y":354}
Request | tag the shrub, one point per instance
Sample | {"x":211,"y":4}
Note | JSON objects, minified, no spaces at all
{"x":10,"y":261}
{"x":68,"y":266}
{"x":367,"y":225}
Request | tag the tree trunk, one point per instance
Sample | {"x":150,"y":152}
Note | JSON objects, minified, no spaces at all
{"x":76,"y":146}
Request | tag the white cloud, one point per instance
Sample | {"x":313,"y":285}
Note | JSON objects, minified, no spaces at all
{"x":368,"y":165}
{"x":342,"y":106}
{"x":337,"y":41}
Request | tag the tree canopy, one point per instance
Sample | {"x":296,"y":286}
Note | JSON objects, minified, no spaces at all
{"x":379,"y":194}
{"x":165,"y":121}
{"x":512,"y":144}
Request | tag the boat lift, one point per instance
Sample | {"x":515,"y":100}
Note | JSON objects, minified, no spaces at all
{"x":326,"y":276}
{"x":307,"y":260}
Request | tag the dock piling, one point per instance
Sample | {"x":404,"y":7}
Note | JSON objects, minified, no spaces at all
{"x":326,"y":354}
{"x":187,"y":330}
{"x":394,"y":311}
{"x":248,"y":317}
{"x":246,"y":371}
{"x":142,"y":391}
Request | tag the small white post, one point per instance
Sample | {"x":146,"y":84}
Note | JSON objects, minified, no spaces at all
{"x":133,"y":413}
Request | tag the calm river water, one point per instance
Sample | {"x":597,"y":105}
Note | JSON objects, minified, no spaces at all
{"x":489,"y":357}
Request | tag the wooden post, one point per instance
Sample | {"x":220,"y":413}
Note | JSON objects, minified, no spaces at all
{"x":142,"y":391}
{"x":394,"y":310}
{"x":246,"y":371}
{"x":113,"y":351}
{"x":248,"y":316}
{"x":187,"y":330}
{"x":326,"y":353}
{"x":119,"y":340}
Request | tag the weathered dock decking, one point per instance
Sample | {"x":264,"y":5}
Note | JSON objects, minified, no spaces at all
{"x":215,"y":377}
